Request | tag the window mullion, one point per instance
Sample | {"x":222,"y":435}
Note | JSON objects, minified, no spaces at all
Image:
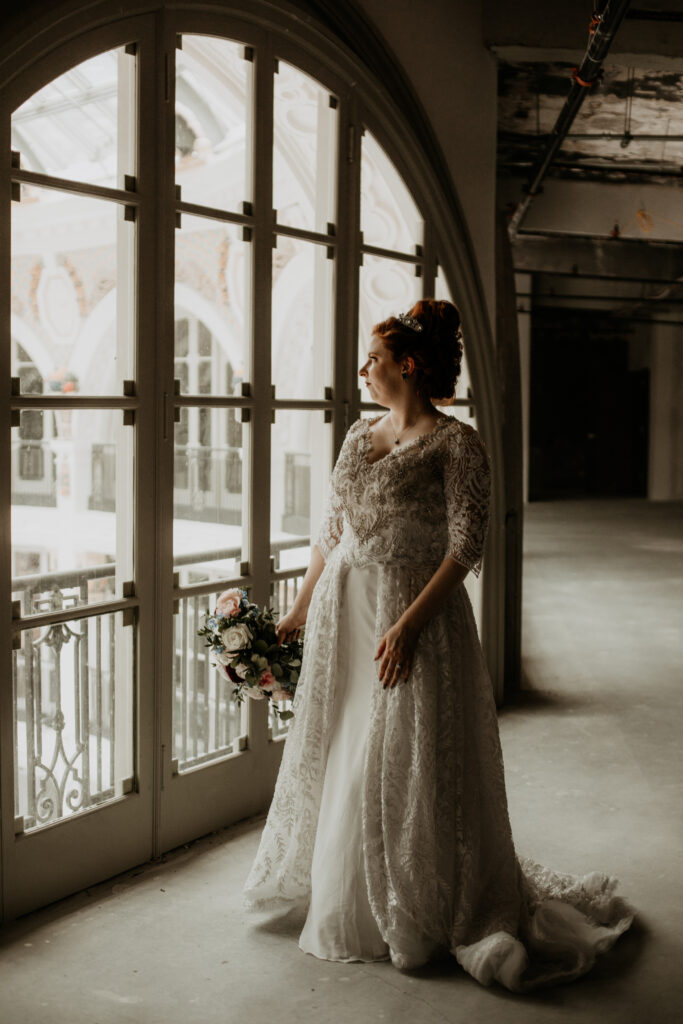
{"x":346,"y":394}
{"x":257,"y":517}
{"x":7,"y":766}
{"x":261,"y":297}
{"x":154,"y":548}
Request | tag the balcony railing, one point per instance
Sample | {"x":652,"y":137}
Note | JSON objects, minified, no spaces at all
{"x":207,"y":722}
{"x":65,"y":705}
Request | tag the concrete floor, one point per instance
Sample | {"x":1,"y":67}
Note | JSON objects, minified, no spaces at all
{"x":593,"y":766}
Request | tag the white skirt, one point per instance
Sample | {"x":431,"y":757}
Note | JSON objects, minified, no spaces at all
{"x":565,"y":932}
{"x":340,"y":925}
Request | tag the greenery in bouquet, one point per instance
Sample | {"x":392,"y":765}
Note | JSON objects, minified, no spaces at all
{"x":244,"y":645}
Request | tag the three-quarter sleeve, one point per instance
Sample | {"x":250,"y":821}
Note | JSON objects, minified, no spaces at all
{"x":467,"y":488}
{"x":332,"y":525}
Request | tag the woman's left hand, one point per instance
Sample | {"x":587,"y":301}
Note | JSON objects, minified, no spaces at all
{"x":396,"y":650}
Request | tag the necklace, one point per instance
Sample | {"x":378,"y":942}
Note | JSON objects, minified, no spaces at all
{"x":411,"y":426}
{"x":397,"y":437}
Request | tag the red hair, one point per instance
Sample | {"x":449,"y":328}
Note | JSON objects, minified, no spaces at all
{"x":436,"y":350}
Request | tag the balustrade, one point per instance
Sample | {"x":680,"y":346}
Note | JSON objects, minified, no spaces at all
{"x":64,"y":693}
{"x":65,"y":689}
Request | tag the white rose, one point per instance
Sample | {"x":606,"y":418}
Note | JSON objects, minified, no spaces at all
{"x":254,"y":693}
{"x":235,"y":638}
{"x":240,"y":671}
{"x":224,"y":657}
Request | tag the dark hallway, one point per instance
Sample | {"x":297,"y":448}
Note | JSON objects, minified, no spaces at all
{"x":589,"y":410}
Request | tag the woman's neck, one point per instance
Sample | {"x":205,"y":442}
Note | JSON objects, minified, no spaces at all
{"x":409,"y":412}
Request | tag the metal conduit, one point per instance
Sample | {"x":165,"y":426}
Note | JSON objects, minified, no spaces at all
{"x":596,"y":52}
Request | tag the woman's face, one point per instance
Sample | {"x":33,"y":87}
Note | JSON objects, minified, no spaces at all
{"x":381,"y":374}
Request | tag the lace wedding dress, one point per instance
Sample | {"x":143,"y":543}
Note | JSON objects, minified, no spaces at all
{"x":389,"y":822}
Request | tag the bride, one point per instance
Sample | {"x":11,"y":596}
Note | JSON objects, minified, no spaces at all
{"x":389,"y":821}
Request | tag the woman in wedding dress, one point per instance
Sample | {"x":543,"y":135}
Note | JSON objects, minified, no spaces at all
{"x":389,"y":822}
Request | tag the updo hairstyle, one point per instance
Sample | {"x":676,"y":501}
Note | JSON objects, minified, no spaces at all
{"x":436,"y":349}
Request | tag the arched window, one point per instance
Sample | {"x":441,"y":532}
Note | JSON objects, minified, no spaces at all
{"x":207,"y":219}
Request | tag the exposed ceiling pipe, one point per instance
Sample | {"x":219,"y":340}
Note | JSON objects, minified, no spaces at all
{"x":603,"y":29}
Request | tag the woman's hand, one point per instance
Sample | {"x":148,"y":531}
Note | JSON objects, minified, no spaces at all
{"x":396,"y":650}
{"x":290,"y":625}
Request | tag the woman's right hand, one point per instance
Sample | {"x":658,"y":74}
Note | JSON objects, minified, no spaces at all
{"x":290,"y":625}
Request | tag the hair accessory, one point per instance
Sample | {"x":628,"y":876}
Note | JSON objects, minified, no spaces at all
{"x":409,"y":321}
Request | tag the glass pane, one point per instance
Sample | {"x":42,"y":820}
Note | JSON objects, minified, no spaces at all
{"x":305,"y":151}
{"x":303,"y":281}
{"x":73,"y":717}
{"x":212,"y":122}
{"x":73,"y":308}
{"x":72,"y":502}
{"x":300,"y":469}
{"x":389,"y":217}
{"x":209,"y":481}
{"x":206,"y":721}
{"x":387,"y":287}
{"x":211,"y":307}
{"x":71,"y":128}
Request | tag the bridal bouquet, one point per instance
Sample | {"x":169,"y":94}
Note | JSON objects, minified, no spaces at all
{"x":244,"y":644}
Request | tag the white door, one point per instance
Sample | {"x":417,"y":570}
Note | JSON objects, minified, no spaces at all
{"x":77,"y":792}
{"x":249,"y":381}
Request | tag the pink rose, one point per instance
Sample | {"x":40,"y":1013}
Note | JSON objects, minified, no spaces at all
{"x":281,"y":695}
{"x":228,"y":603}
{"x":267,"y":681}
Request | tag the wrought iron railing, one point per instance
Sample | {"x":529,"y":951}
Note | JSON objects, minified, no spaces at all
{"x":65,"y":693}
{"x":207,"y":723}
{"x":64,"y":706}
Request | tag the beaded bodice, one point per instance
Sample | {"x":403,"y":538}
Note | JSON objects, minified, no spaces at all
{"x":422,"y":501}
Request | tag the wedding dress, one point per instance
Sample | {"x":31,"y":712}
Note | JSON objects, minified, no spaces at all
{"x":389,"y":821}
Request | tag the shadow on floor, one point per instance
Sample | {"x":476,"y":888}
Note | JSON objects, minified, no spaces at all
{"x":288,"y":922}
{"x":530,"y":699}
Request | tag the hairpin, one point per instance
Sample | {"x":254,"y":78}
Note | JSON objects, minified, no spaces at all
{"x":409,"y":321}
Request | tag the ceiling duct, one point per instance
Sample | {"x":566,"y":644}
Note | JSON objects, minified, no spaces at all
{"x":603,"y":28}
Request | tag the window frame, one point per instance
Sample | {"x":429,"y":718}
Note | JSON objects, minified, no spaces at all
{"x":64,"y":36}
